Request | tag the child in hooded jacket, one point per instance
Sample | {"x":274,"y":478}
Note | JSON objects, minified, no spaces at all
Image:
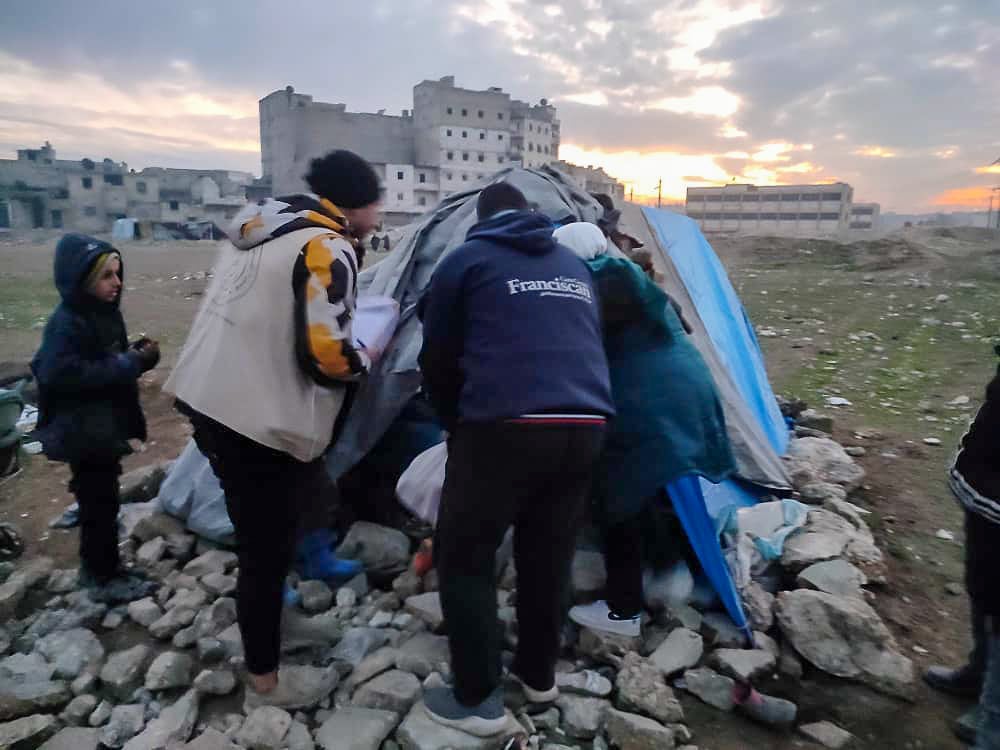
{"x":88,"y":405}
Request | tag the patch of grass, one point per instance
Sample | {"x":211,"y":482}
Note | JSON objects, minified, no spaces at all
{"x":25,"y":303}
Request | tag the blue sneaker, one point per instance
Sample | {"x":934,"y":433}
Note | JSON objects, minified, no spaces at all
{"x":316,"y":561}
{"x":488,"y":719}
{"x":292,"y":597}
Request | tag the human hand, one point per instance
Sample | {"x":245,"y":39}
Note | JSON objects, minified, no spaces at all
{"x":148,"y":354}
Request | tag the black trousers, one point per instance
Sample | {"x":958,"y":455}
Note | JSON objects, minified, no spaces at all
{"x":623,"y":560}
{"x":268,"y":496}
{"x":536,"y":479}
{"x":95,"y":486}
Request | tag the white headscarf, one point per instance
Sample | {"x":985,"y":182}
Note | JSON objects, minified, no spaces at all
{"x":583,"y":238}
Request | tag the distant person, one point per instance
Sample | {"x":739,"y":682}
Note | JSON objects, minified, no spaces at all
{"x":513,"y":364}
{"x":376,"y":242}
{"x":264,"y":377}
{"x":88,"y":405}
{"x":975,"y":480}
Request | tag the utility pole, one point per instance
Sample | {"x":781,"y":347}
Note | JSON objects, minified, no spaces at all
{"x":659,"y":193}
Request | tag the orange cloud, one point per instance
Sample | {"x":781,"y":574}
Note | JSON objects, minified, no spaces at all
{"x":976,"y":197}
{"x":991,"y":169}
{"x":876,"y":151}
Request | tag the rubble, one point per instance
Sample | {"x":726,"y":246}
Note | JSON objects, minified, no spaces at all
{"x":27,"y":733}
{"x":637,"y":732}
{"x":681,"y":650}
{"x":827,"y":734}
{"x":640,"y":688}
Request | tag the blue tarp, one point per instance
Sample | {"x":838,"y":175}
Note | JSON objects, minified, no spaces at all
{"x":699,"y":503}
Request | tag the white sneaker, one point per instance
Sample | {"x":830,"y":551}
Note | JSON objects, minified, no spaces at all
{"x":598,"y":616}
{"x":536,"y":696}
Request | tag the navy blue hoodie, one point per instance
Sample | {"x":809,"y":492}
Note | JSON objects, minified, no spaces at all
{"x":88,"y":398}
{"x":512,"y":327}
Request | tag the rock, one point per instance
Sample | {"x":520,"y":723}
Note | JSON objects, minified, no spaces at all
{"x":101,"y":714}
{"x":79,"y":710}
{"x":641,"y":689}
{"x":837,"y":577}
{"x":347,"y":598}
{"x":149,"y":526}
{"x":215,"y":682}
{"x":812,"y":459}
{"x":85,"y":683}
{"x":172,"y":622}
{"x":143,"y":484}
{"x":406,"y":621}
{"x":354,"y":728}
{"x":170,"y":670}
{"x":682,"y":649}
{"x":216,"y":618}
{"x":932,"y":441}
{"x":19,"y":699}
{"x":72,"y":652}
{"x":816,"y":493}
{"x":589,"y":576}
{"x":380,"y":549}
{"x":846,"y":638}
{"x":758,"y":605}
{"x":62,"y":581}
{"x":827,"y":734}
{"x":185,"y":639}
{"x":408,"y":584}
{"x":125,"y":723}
{"x":357,"y":643}
{"x":855,"y":451}
{"x":232,"y":641}
{"x":12,"y":591}
{"x":27,"y":733}
{"x":298,"y":737}
{"x":145,"y":611}
{"x":213,"y":561}
{"x":112,"y":620}
{"x":151,"y":552}
{"x":194,"y":599}
{"x":211,"y":739}
{"x":181,"y":546}
{"x":394,"y":691}
{"x":680,"y":616}
{"x":827,"y":536}
{"x":815,"y":421}
{"x":764,"y":642}
{"x":219,"y":584}
{"x":743,"y":665}
{"x":124,"y":670}
{"x":582,"y":717}
{"x":422,"y":654}
{"x":955,"y":589}
{"x":381,"y":619}
{"x":587,"y":682}
{"x":371,"y":666}
{"x":789,"y":663}
{"x":265,"y":729}
{"x":711,"y":687}
{"x":606,"y":648}
{"x":210,"y":650}
{"x":428,"y":608}
{"x":74,"y":738}
{"x":316,"y":596}
{"x":419,"y":732}
{"x":721,"y":632}
{"x":632,"y":732}
{"x":173,"y":726}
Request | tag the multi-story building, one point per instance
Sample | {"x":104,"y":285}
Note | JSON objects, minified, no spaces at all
{"x":773,"y":209}
{"x":593,"y":180}
{"x":38,"y":190}
{"x":865,"y":216}
{"x":451,"y":139}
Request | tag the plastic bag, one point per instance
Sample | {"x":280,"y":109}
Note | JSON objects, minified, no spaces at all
{"x":671,"y":586}
{"x":419,"y":487}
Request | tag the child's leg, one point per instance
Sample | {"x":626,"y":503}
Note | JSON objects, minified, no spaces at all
{"x":95,"y":485}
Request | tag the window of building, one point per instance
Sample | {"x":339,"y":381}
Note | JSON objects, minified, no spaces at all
{"x":448,"y":175}
{"x":465,"y":133}
{"x":140,"y":187}
{"x":832,"y":197}
{"x":57,"y":220}
{"x":482,"y":158}
{"x":499,"y":136}
{"x":732,"y":217}
{"x":451,"y":155}
{"x":482,"y":136}
{"x":174,"y":205}
{"x":810,"y":196}
{"x":465,"y":113}
{"x":399,"y":175}
{"x":750,"y":197}
{"x":500,"y":160}
{"x":465,"y":156}
{"x":546,"y":149}
{"x":465,"y":178}
{"x":830,"y":217}
{"x":399,"y":196}
{"x":481,"y":114}
{"x":788,"y":217}
{"x":789,"y":197}
{"x":531,"y":147}
{"x":90,"y":211}
{"x":808,"y":216}
{"x":112,"y":179}
{"x":531,"y":127}
{"x":499,"y":115}
{"x":423,"y":177}
{"x":863,"y":211}
{"x":713,"y":199}
{"x":769,"y":217}
{"x":448,"y":131}
{"x":450,"y":112}
{"x":88,"y":183}
{"x":422,"y":200}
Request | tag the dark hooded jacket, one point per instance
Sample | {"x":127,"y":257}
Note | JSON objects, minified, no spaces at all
{"x":87,"y":377}
{"x":512,"y":327}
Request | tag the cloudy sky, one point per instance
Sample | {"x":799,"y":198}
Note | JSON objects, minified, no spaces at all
{"x":900,"y":98}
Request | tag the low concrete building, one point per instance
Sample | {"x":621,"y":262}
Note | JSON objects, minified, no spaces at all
{"x":808,"y":210}
{"x":593,"y":180}
{"x":865,"y":216}
{"x":38,"y":190}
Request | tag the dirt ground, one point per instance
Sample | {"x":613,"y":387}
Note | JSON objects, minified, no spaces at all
{"x":868,"y":322}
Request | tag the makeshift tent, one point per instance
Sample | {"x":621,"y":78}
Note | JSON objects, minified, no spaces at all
{"x":691,"y":273}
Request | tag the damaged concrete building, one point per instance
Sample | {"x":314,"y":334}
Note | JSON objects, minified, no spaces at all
{"x":39,"y":190}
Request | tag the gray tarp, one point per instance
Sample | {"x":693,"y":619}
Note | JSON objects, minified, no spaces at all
{"x":191,"y":492}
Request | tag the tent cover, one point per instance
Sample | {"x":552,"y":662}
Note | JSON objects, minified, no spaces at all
{"x":691,"y":273}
